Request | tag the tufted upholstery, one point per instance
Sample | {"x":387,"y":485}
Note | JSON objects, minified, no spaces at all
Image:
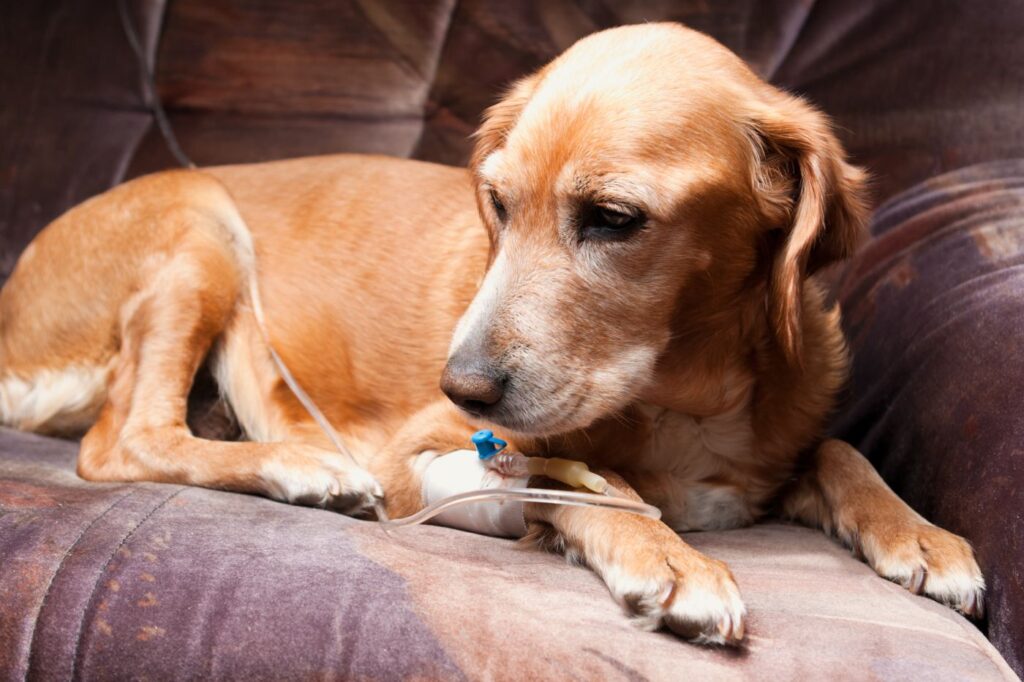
{"x":915,"y":91}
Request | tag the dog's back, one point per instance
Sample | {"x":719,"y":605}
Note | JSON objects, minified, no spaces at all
{"x":333,"y":260}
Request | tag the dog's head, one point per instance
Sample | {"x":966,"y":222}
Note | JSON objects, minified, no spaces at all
{"x":644,"y":180}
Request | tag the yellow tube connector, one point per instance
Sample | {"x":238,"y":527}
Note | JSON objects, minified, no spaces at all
{"x":509,"y":463}
{"x":568,"y":471}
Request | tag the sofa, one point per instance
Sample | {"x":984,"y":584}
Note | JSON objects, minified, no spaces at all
{"x":119,"y":581}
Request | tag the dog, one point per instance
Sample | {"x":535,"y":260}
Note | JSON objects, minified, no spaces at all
{"x":624,"y":275}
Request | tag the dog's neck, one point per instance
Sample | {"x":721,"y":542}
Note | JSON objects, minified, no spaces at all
{"x":719,"y":331}
{"x":701,"y":393}
{"x":704,"y":374}
{"x":742,"y":366}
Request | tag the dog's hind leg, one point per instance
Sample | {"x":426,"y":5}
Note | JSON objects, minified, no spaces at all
{"x":166,"y":331}
{"x":842,"y":493}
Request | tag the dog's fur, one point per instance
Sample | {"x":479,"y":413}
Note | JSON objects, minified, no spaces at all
{"x":690,"y":357}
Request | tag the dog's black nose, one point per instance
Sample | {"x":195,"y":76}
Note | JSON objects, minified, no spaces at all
{"x":472,"y":383}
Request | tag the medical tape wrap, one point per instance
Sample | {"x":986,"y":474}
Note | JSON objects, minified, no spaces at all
{"x":463,"y":471}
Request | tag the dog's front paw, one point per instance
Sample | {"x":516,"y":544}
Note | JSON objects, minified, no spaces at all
{"x":693,"y":595}
{"x":318,"y":478}
{"x":926,"y":560}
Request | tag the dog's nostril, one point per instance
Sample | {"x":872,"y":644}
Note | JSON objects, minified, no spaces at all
{"x":473,"y":389}
{"x":475,"y":405}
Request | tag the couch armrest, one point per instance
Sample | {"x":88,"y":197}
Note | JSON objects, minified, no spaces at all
{"x":934,"y":313}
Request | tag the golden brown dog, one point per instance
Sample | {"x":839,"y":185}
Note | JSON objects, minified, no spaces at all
{"x":628,"y":270}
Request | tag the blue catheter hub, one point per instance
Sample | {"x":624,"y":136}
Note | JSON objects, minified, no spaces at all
{"x":487,"y":445}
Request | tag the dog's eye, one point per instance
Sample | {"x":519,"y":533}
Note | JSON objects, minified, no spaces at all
{"x":499,"y":208}
{"x":609,"y":224}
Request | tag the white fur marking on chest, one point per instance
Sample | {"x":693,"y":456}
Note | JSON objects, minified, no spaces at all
{"x":683,"y":452}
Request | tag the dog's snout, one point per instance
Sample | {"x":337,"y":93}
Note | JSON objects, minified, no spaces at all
{"x":473,"y":383}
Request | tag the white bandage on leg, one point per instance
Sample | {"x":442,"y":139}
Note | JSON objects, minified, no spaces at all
{"x":461,"y":471}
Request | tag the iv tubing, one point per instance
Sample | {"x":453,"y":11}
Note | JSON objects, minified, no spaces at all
{"x":536,"y":495}
{"x":613,"y":499}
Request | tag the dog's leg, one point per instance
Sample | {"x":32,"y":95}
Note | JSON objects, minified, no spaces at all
{"x":843,"y":494}
{"x":435,"y":430}
{"x":141,"y":435}
{"x":647,"y":567}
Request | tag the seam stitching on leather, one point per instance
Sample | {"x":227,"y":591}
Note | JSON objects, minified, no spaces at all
{"x":103,"y":570}
{"x":60,"y":567}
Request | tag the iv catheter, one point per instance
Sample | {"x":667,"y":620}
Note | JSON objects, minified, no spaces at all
{"x":573,"y":473}
{"x":492,"y":451}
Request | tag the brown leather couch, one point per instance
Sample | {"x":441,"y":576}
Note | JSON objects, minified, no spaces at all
{"x":162,"y":581}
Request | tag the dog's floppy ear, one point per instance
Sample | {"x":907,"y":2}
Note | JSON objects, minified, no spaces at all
{"x":499,"y":119}
{"x":818,"y":199}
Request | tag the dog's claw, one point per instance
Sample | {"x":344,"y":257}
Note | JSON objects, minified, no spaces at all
{"x":917,"y":578}
{"x":725,"y":627}
{"x":973,"y":606}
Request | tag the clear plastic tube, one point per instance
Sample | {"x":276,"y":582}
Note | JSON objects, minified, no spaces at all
{"x":615,"y":502}
{"x":510,"y":464}
{"x":611,"y":499}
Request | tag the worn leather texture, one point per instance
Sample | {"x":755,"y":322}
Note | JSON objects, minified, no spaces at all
{"x":933,"y":311}
{"x":122,"y":581}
